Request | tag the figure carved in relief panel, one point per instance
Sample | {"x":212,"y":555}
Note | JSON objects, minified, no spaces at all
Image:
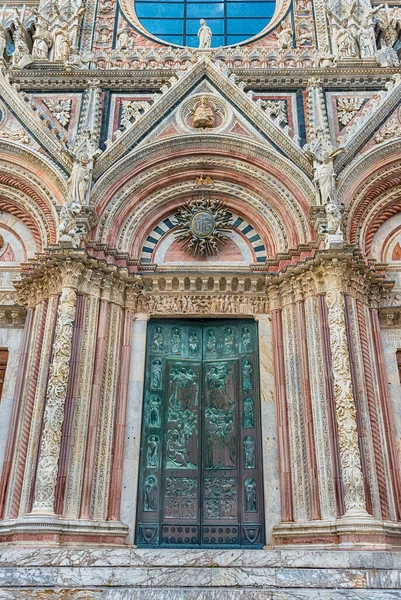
{"x":248,"y":417}
{"x":247,"y":375}
{"x":181,"y":494}
{"x":158,"y":340}
{"x":220,"y":449}
{"x":152,"y":453}
{"x":176,"y":341}
{"x":246,"y":340}
{"x":220,"y":498}
{"x":193,"y":342}
{"x":228,"y":346}
{"x":250,"y":495}
{"x":154,"y":412}
{"x":156,"y":375}
{"x":150,"y":496}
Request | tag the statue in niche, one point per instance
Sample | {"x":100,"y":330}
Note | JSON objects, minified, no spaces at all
{"x":204,"y":35}
{"x":152,"y":454}
{"x":193,"y":342}
{"x":284,"y":37}
{"x":158,"y":340}
{"x":248,"y":418}
{"x":228,"y":341}
{"x":204,"y":115}
{"x":156,"y":375}
{"x":246,"y":340}
{"x":249,"y":452}
{"x":250,"y":495}
{"x":62,"y":44}
{"x":247,"y":375}
{"x":324,"y":176}
{"x":211,"y":342}
{"x":150,"y":500}
{"x":154,"y":412}
{"x":176,"y":341}
{"x":42,"y":39}
{"x":123,"y":38}
{"x":78,"y":182}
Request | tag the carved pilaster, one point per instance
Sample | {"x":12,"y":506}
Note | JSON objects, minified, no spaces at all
{"x":54,"y":412}
{"x":350,"y":457}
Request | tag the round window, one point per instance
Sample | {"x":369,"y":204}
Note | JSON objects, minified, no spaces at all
{"x":178,"y":22}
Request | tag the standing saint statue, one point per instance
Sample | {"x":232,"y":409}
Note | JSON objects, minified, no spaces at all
{"x":79,"y":180}
{"x":42,"y":40}
{"x":62,"y":43}
{"x":204,"y":35}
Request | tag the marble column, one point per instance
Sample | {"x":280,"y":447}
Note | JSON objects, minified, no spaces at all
{"x":350,"y":457}
{"x":269,"y":427}
{"x":282,"y":416}
{"x":134,"y":423}
{"x":46,"y":476}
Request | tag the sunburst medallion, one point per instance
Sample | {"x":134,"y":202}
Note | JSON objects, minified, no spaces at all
{"x":202,"y":226}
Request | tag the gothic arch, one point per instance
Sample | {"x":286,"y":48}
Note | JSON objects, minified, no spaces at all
{"x":30,"y":189}
{"x":371,"y":189}
{"x":148,"y":183}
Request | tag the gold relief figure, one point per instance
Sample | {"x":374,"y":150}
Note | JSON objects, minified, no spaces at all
{"x":204,"y":115}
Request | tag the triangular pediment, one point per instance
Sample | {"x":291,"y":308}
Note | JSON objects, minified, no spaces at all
{"x":236,"y":113}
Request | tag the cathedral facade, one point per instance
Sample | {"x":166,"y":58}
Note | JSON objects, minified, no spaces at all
{"x":200,"y":299}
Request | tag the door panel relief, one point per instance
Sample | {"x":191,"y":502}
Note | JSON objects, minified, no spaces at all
{"x":200,"y":482}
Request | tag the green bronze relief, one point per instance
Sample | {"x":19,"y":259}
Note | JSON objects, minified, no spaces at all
{"x":199,"y":469}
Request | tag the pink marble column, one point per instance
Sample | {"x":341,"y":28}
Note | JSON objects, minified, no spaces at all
{"x":282,"y":418}
{"x":386,"y":410}
{"x":19,"y":386}
{"x":313,"y":484}
{"x":33,"y":378}
{"x":120,"y":420}
{"x":90,"y":457}
{"x":329,"y":388}
{"x":69,"y":405}
{"x":373,"y":413}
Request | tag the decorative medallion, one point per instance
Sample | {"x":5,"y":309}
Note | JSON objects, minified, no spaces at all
{"x":202,"y":226}
{"x":204,"y":112}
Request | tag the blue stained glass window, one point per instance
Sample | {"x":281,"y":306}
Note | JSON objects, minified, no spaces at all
{"x":231,"y":21}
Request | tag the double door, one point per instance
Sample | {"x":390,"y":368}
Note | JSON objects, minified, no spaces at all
{"x":200,"y":477}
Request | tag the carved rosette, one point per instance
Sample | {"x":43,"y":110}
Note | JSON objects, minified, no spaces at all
{"x":354,"y":494}
{"x":54,"y":411}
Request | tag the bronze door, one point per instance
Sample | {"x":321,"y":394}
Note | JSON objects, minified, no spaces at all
{"x":200,"y":481}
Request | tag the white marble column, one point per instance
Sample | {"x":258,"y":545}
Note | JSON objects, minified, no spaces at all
{"x":269,"y":427}
{"x":53,"y":418}
{"x":350,"y":456}
{"x":134,"y":424}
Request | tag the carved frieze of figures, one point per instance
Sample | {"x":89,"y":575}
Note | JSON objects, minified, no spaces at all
{"x":226,"y":304}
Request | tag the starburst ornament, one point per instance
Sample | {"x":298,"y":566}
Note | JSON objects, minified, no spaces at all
{"x":202,"y":226}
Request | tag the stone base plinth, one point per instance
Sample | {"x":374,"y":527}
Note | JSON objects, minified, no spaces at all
{"x":361,"y":532}
{"x":69,"y":573}
{"x":52,"y":529}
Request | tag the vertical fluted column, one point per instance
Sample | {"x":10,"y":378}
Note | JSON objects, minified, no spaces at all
{"x":350,"y":457}
{"x":46,"y":476}
{"x":303,"y":362}
{"x":281,"y":409}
